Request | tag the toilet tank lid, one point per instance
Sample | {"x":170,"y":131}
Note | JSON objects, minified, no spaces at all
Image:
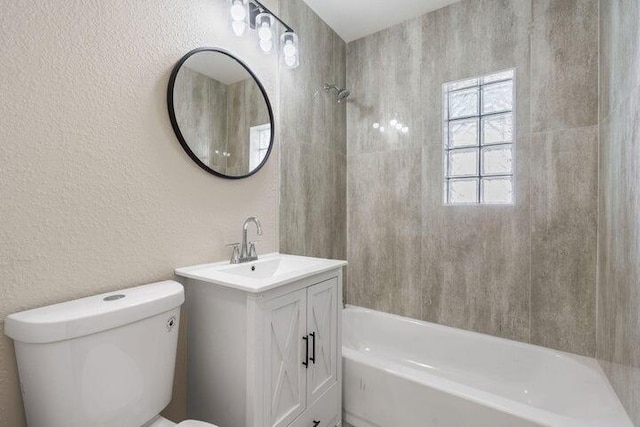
{"x":93,"y":314}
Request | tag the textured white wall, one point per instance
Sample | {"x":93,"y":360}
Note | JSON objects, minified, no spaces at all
{"x":96,"y":193}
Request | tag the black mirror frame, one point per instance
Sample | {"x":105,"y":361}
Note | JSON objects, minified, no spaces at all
{"x":174,"y":122}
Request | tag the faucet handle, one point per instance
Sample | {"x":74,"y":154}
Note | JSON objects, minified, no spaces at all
{"x":235,"y":256}
{"x":252,"y":249}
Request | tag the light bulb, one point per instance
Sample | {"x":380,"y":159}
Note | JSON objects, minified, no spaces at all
{"x":393,"y":122}
{"x":264,"y":24}
{"x":290,"y":60}
{"x":266,"y":45}
{"x":289,"y":49}
{"x":238,"y":27}
{"x":381,"y":129}
{"x":265,"y":32}
{"x":399,"y":126}
{"x":405,"y":130}
{"x":376,"y":125}
{"x":238,"y":11}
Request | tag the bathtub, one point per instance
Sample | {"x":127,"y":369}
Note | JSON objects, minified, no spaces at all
{"x":400,"y":372}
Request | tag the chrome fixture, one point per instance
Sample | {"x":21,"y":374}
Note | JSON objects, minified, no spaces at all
{"x":343,"y":93}
{"x":235,"y":255}
{"x":247,"y":251}
{"x":254,"y":15}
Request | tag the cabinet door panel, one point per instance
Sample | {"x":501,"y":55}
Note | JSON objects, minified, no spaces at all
{"x":322,"y":318}
{"x":285,"y":376}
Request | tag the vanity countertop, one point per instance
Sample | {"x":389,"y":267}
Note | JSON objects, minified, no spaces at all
{"x":268,"y":272}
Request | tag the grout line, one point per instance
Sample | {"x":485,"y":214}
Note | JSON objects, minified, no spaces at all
{"x":530,"y":177}
{"x":552,"y":131}
{"x":595,"y":323}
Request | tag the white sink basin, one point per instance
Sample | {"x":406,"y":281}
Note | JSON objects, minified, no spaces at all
{"x":266,"y":273}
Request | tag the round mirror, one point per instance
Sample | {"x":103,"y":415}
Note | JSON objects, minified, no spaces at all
{"x":220,"y":113}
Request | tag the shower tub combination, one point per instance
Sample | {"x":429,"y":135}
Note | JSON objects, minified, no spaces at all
{"x":400,"y":372}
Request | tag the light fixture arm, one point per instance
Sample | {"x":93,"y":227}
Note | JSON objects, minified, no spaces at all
{"x":255,"y":7}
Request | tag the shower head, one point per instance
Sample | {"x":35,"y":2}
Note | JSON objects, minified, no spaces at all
{"x":342,"y":93}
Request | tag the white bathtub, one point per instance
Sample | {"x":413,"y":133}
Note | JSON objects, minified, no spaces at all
{"x":400,"y":372}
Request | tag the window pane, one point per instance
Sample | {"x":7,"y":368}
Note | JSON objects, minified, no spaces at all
{"x":497,"y":129}
{"x":505,"y":75}
{"x":497,"y":190}
{"x":478,"y":134}
{"x":497,"y":97}
{"x":463,"y":103}
{"x":462,"y":84}
{"x":463,"y":133}
{"x":463,"y":190}
{"x":497,"y":160}
{"x":463,"y":162}
{"x":265,"y":139}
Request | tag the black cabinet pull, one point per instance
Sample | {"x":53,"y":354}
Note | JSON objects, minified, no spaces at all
{"x":313,"y":358}
{"x":316,"y":423}
{"x":306,"y":351}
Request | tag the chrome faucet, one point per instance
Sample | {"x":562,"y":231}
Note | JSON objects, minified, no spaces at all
{"x":247,"y":251}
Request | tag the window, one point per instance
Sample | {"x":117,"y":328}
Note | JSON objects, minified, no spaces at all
{"x":479,"y":130}
{"x":260,"y":137}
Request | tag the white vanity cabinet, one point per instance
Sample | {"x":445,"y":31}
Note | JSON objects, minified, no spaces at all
{"x":266,"y":358}
{"x":301,"y":354}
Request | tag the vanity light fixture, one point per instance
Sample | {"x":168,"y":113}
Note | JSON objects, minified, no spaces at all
{"x":264,"y":27}
{"x":290,"y":51}
{"x":239,"y":13}
{"x":255,"y":15}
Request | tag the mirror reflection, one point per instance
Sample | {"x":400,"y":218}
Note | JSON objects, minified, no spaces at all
{"x":221,"y":114}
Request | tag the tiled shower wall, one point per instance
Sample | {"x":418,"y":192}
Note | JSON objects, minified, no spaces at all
{"x":313,"y":141}
{"x":618,"y":331}
{"x":525,"y":272}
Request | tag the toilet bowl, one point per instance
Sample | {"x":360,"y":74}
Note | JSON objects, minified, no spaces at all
{"x":105,"y":360}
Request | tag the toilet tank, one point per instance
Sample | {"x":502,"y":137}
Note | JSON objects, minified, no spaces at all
{"x":106,"y":360}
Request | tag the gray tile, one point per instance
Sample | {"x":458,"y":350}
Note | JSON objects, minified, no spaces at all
{"x":313,"y":202}
{"x":339,"y":77}
{"x":564,"y":64}
{"x":312,"y":129}
{"x":384,"y":231}
{"x":308,"y":114}
{"x":618,"y":326}
{"x":619,"y":52}
{"x":383,"y":72}
{"x":563,"y":246}
{"x":470,"y":39}
{"x":466,"y":280}
{"x":476,"y":262}
{"x":618,"y":323}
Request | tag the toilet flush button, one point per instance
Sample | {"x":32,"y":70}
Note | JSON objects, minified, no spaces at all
{"x":113,"y":297}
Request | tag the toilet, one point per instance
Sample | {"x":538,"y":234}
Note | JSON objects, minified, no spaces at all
{"x":106,"y":360}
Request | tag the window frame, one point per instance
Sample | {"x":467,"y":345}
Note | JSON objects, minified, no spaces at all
{"x":447,"y":121}
{"x":255,"y":134}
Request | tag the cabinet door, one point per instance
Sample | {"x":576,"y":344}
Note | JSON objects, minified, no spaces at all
{"x":322,"y":326}
{"x":285,"y":376}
